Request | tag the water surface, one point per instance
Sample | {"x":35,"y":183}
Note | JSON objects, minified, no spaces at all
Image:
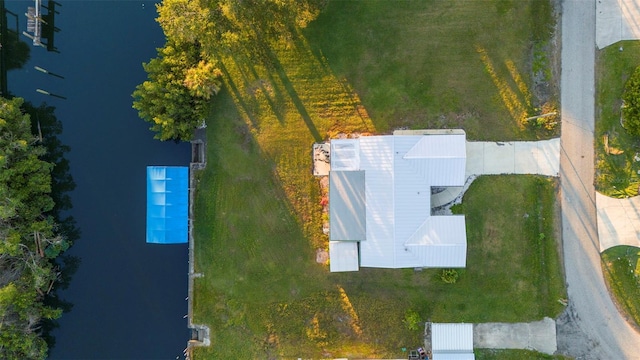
{"x":128,"y":296}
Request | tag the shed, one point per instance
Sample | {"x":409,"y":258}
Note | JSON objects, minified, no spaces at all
{"x":343,"y":256}
{"x":451,"y":338}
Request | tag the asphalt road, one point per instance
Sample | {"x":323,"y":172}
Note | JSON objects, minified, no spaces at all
{"x":592,"y":327}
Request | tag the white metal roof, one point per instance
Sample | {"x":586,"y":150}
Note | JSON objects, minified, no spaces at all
{"x":453,"y":356}
{"x":451,"y":338}
{"x":347,"y":205}
{"x":343,"y":256}
{"x":344,"y":155}
{"x":399,"y":173}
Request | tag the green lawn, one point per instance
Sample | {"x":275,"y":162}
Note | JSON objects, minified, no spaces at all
{"x":420,"y":64}
{"x":616,"y":175}
{"x":263,"y":294}
{"x":485,"y":354}
{"x":622,"y":272}
{"x":509,"y":217}
{"x":258,"y":215}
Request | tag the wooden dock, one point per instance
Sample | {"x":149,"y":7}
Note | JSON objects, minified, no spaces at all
{"x":40,"y":25}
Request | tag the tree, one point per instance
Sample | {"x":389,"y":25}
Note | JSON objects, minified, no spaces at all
{"x":173,"y":99}
{"x":631,"y":108}
{"x":203,"y":80}
{"x":231,"y":26}
{"x":185,"y":21}
{"x":28,"y":238}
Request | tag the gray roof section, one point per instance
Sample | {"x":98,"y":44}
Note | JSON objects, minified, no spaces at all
{"x":347,"y":206}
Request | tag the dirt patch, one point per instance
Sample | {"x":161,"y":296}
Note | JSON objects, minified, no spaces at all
{"x":321,"y":159}
{"x":557,"y":230}
{"x":322,"y":256}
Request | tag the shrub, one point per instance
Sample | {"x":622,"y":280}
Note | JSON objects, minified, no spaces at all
{"x":631,"y":107}
{"x":412,"y":320}
{"x":449,"y":276}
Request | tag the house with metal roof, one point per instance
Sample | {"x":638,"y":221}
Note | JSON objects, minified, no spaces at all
{"x":380,"y":201}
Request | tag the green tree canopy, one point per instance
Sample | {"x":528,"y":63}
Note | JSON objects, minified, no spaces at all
{"x":203,"y":80}
{"x":28,"y":239}
{"x":173,"y":97}
{"x":230,"y":26}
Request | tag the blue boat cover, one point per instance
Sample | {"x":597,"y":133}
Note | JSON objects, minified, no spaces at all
{"x":167,"y":204}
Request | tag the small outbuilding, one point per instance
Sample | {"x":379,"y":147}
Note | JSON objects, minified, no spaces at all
{"x":453,"y":341}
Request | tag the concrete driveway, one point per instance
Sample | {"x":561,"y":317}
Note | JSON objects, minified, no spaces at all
{"x":539,"y":336}
{"x":513,"y":157}
{"x":618,"y":221}
{"x":504,"y":157}
{"x":617,"y":20}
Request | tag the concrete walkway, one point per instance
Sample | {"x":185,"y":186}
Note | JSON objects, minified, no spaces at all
{"x":617,"y":20}
{"x":539,"y":336}
{"x":618,"y":221}
{"x":514,"y":157}
{"x":504,"y":157}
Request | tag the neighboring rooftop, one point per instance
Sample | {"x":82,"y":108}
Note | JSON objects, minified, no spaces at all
{"x":380,"y":201}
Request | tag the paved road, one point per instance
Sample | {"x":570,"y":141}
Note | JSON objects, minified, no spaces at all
{"x":591,"y":328}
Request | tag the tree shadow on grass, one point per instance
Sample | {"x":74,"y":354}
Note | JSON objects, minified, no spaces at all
{"x":276,"y":104}
{"x":286,"y":82}
{"x":238,"y":95}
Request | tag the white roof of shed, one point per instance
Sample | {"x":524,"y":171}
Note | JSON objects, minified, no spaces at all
{"x":453,"y":356}
{"x":343,"y":256}
{"x":399,"y":173}
{"x":451,"y":338}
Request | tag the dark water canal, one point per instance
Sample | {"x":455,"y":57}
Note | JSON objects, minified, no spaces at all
{"x":128,"y":296}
